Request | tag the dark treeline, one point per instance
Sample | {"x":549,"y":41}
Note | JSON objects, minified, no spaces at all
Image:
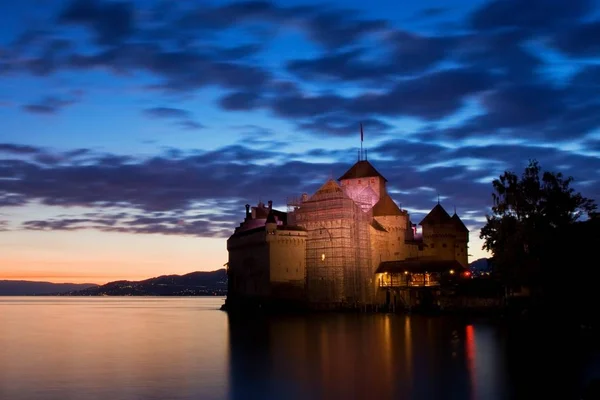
{"x":544,"y":237}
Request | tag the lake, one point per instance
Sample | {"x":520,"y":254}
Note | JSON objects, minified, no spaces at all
{"x":185,"y":348}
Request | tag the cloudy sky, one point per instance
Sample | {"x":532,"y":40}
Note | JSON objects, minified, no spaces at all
{"x":133,"y":133}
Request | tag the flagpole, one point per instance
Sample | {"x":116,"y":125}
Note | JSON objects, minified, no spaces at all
{"x":361,"y":141}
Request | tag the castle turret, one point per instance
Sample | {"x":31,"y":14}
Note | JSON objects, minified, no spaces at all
{"x":462,"y":239}
{"x":395,"y":221}
{"x":271,"y":222}
{"x":439,"y":234}
{"x":363,"y":184}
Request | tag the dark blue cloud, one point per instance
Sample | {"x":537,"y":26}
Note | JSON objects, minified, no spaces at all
{"x":183,"y":117}
{"x":111,"y":22}
{"x":580,"y":41}
{"x":240,"y":101}
{"x":18,"y":148}
{"x":487,"y":79}
{"x":167,"y":112}
{"x":203,"y":192}
{"x":532,"y":14}
{"x":419,"y":75}
{"x":404,"y":53}
{"x":48,"y":105}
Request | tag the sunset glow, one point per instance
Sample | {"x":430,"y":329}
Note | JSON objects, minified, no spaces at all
{"x":133,"y":133}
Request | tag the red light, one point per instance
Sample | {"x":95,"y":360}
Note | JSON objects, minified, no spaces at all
{"x":467,"y":274}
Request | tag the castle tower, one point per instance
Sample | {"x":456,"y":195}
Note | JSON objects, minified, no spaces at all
{"x":337,"y":259}
{"x":439,"y":234}
{"x":395,"y":221}
{"x":462,"y":240}
{"x":363,"y":184}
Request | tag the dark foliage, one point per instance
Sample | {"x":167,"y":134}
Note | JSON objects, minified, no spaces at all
{"x":542,"y":235}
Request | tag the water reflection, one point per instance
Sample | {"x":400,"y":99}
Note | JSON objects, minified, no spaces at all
{"x":359,"y":356}
{"x":121,"y":348}
{"x":139,"y":348}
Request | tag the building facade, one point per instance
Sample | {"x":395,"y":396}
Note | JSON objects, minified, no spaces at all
{"x":344,"y":246}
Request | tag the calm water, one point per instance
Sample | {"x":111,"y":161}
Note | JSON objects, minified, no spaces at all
{"x":184,"y":348}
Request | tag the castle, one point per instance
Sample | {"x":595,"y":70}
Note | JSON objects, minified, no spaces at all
{"x":347,"y":245}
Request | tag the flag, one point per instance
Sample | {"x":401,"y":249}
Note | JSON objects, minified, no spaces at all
{"x":361,"y":132}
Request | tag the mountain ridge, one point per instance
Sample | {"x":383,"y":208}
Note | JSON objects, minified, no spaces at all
{"x":197,"y":283}
{"x":481,"y":264}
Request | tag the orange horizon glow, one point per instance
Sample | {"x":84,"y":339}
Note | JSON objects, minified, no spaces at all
{"x":100,"y":257}
{"x":66,"y":278}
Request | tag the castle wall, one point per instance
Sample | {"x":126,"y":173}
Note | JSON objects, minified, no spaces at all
{"x":379,"y":252}
{"x":330,"y":258}
{"x":462,"y":249}
{"x":379,"y":246}
{"x":248,"y":266}
{"x":413,"y":250}
{"x":287,"y":251}
{"x":268,"y":262}
{"x":356,"y":189}
{"x":397,"y":234}
{"x":443,"y":243}
{"x":338,"y":258}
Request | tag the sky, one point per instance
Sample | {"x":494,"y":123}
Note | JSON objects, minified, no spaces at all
{"x":133,"y":133}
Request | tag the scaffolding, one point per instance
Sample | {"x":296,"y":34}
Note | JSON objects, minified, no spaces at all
{"x":338,"y":260}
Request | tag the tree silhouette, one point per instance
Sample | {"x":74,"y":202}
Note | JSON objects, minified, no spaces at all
{"x":530,"y":232}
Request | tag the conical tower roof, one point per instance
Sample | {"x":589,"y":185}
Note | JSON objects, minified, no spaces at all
{"x":437,"y":216}
{"x":458,"y":223}
{"x":330,"y":189}
{"x":386,"y":206}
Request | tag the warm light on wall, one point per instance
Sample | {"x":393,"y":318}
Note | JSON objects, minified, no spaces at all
{"x":405,"y":272}
{"x":323,"y":257}
{"x":451,"y":272}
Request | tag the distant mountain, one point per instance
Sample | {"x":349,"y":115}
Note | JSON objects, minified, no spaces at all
{"x":482,"y":264}
{"x":212,"y":283}
{"x":29,"y":288}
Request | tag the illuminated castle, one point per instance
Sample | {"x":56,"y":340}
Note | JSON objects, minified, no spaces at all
{"x":349,"y":245}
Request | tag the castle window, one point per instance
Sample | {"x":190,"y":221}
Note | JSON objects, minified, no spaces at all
{"x":359,"y":181}
{"x":444,"y":245}
{"x":432,"y":245}
{"x":372,"y":180}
